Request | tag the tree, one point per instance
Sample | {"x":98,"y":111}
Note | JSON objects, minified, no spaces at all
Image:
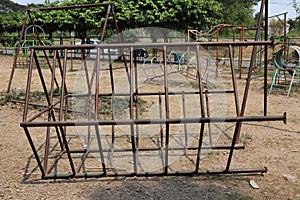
{"x":176,"y":14}
{"x":294,"y":28}
{"x":276,"y":27}
{"x":131,"y":14}
{"x":10,"y":22}
{"x":238,"y":12}
{"x":6,"y":5}
{"x":80,"y":20}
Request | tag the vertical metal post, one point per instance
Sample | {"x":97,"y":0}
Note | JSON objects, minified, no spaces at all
{"x":234,"y":84}
{"x":105,"y":22}
{"x":208,"y":115}
{"x":29,"y":77}
{"x":266,"y":60}
{"x":246,"y":90}
{"x":40,"y":40}
{"x":17,"y":54}
{"x":133,"y":139}
{"x":200,"y":85}
{"x":166,"y":90}
{"x":96,"y":109}
{"x":136,"y":96}
{"x":184,"y":125}
{"x":36,"y":155}
{"x":160,"y":125}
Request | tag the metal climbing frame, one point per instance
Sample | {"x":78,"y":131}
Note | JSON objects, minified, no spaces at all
{"x":39,"y":40}
{"x":129,"y":144}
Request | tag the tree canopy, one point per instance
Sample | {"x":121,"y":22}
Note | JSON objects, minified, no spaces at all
{"x":133,"y":13}
{"x":7,"y":5}
{"x":178,"y":15}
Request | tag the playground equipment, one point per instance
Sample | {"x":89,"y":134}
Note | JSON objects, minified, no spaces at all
{"x":121,"y":144}
{"x":24,"y":54}
{"x":183,"y":62}
{"x":215,"y":31}
{"x":287,"y":66}
{"x":21,"y":47}
{"x":96,"y":126}
{"x":220,"y":54}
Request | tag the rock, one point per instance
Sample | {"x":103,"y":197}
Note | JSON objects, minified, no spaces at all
{"x":253,"y":184}
{"x":289,"y":178}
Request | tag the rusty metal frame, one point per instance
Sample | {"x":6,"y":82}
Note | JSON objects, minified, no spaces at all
{"x":57,"y":111}
{"x":110,"y":11}
{"x":61,"y":124}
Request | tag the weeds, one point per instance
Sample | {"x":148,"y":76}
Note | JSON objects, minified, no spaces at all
{"x":105,"y":110}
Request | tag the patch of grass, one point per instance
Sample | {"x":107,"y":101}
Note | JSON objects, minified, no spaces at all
{"x":105,"y":103}
{"x":34,"y":96}
{"x":5,"y":98}
{"x":120,"y":105}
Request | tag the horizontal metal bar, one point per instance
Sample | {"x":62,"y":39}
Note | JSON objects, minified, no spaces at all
{"x":69,"y":7}
{"x":148,"y":174}
{"x":152,"y":45}
{"x":156,"y":121}
{"x":153,"y":93}
{"x":215,"y":147}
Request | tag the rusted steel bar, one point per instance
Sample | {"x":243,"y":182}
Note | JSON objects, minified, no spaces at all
{"x":157,"y":45}
{"x":45,"y":90}
{"x":85,"y":153}
{"x":120,"y":39}
{"x":69,"y":7}
{"x":89,"y":93}
{"x":68,"y":151}
{"x":247,"y":87}
{"x":136,"y":97}
{"x":183,"y":173}
{"x":157,"y":121}
{"x":63,"y":85}
{"x":47,"y":144}
{"x":40,"y":73}
{"x":57,"y":158}
{"x":52,"y":78}
{"x":112,"y":105}
{"x":208,"y":115}
{"x":160,"y":117}
{"x":29,"y":77}
{"x":200,"y":86}
{"x":131,"y":102}
{"x":266,"y":58}
{"x":40,"y":41}
{"x":100,"y":149}
{"x":167,"y":108}
{"x":56,"y":57}
{"x":17,"y":53}
{"x":234,"y":83}
{"x":46,"y":108}
{"x":214,"y":147}
{"x":35,"y":153}
{"x":184,"y":116}
{"x":241,"y":52}
{"x":156,"y":93}
{"x":105,"y":23}
{"x":96,"y":97}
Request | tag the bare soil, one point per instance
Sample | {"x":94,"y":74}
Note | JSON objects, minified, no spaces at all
{"x":268,"y":144}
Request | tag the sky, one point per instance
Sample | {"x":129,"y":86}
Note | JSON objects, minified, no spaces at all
{"x":275,"y":6}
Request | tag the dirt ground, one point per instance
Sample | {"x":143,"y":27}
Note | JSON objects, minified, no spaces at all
{"x":268,"y":144}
